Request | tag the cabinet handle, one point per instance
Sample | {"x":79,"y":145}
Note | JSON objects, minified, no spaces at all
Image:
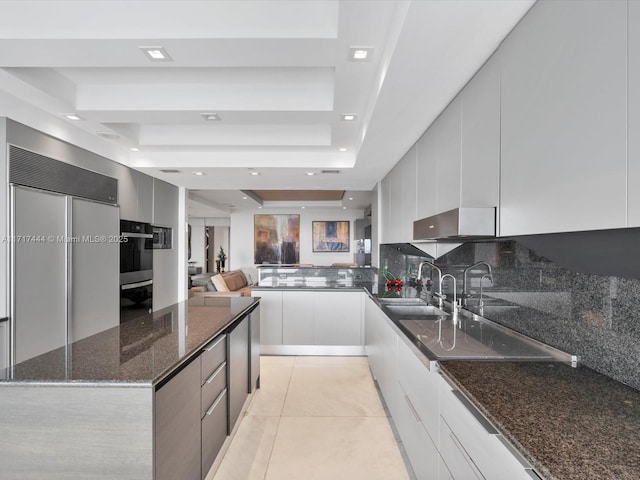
{"x":213,"y":375}
{"x":211,"y":347}
{"x":413,"y":410}
{"x":216,"y":402}
{"x":466,"y":456}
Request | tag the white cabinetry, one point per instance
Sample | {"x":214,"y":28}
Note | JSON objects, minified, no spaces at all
{"x":304,"y":322}
{"x":399,"y":200}
{"x":563,"y":119}
{"x":337,"y":318}
{"x":470,"y":446}
{"x":297,"y":318}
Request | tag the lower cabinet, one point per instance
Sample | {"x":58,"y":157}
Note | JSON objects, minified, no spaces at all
{"x":444,"y":436}
{"x":238,"y":361}
{"x":304,"y":318}
{"x":177,"y":426}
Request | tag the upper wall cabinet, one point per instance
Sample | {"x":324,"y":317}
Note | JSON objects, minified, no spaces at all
{"x":399,"y":200}
{"x":480,"y":138}
{"x":563,"y":119}
{"x":633,"y":180}
{"x":135,"y":196}
{"x":165,"y":204}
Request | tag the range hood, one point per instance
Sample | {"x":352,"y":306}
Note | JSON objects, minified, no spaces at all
{"x":465,"y":223}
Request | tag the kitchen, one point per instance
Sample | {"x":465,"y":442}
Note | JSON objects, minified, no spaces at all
{"x":521,"y":137}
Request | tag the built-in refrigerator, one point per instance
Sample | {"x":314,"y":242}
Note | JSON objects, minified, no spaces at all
{"x":64,"y":256}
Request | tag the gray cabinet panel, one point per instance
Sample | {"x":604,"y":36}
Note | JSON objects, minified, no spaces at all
{"x":480,"y":138}
{"x":94,"y":268}
{"x":40,"y":314}
{"x":254,"y":349}
{"x":270,"y":317}
{"x":4,"y":347}
{"x":633,"y":180}
{"x":165,"y":203}
{"x":297,"y":318}
{"x":127,"y":194}
{"x":214,"y":354}
{"x":338,"y":318}
{"x":427,"y":188}
{"x":238,"y":361}
{"x":144,"y":188}
{"x":214,"y":431}
{"x":446,"y":135}
{"x":177,"y":426}
{"x":563,"y":119}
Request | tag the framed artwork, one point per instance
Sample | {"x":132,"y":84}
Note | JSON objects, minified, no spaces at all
{"x":331,"y":236}
{"x":276,"y":239}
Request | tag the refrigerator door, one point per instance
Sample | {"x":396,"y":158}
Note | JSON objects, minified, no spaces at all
{"x":95,"y":268}
{"x":39,"y":270}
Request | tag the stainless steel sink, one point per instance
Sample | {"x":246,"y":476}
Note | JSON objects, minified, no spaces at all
{"x":403,"y":301}
{"x":416,"y":310}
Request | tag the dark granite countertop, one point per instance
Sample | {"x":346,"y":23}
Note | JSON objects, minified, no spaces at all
{"x":570,"y":423}
{"x":142,"y":350}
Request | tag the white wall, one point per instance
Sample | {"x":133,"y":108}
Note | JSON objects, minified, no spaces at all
{"x":241,"y":240}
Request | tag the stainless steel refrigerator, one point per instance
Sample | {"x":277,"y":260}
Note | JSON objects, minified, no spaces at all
{"x":64,"y":263}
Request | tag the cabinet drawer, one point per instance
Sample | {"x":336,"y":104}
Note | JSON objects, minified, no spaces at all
{"x":459,"y":463}
{"x":212,"y":387}
{"x":214,"y":431}
{"x":475,"y":436}
{"x":212,"y":356}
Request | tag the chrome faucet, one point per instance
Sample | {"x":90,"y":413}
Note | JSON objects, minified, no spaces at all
{"x":439,"y":294}
{"x":455,"y":298}
{"x":465,"y":286}
{"x":481,"y":304}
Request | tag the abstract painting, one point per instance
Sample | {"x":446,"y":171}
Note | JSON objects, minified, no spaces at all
{"x":331,"y":236}
{"x":276,"y":239}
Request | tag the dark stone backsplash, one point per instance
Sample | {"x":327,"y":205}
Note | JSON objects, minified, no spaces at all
{"x":595,"y":317}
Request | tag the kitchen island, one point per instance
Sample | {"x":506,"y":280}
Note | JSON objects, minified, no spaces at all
{"x":135,"y":401}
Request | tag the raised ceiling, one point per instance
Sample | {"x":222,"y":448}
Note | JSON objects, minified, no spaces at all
{"x":277,"y":74}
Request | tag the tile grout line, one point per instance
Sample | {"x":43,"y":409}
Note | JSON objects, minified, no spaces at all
{"x":275,"y":437}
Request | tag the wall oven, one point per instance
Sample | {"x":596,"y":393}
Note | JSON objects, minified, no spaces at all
{"x":136,"y":269}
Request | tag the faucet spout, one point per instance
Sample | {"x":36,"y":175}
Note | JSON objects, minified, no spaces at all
{"x":465,"y":286}
{"x":455,"y":298}
{"x":439,"y":294}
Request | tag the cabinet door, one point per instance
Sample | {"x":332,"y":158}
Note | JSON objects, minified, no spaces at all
{"x":427,"y":168}
{"x":633,"y":194}
{"x":4,"y":347}
{"x":338,"y":318}
{"x":446,"y":136}
{"x":408,"y":168}
{"x":270,"y":317}
{"x":177,"y":426}
{"x":563,"y":119}
{"x":480,"y":138}
{"x":297,"y":318}
{"x":144,"y":189}
{"x":393,"y":222}
{"x":238,"y":361}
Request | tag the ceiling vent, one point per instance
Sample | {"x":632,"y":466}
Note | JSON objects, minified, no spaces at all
{"x":170,"y":171}
{"x":330,"y":171}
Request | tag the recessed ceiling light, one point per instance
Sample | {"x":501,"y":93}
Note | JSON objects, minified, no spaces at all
{"x":344,"y":208}
{"x":310,"y":174}
{"x":253,"y":172}
{"x":349,"y":117}
{"x":350,"y":198}
{"x":72,"y":116}
{"x":244,"y":198}
{"x":134,"y":149}
{"x":259,"y":206}
{"x":199,"y":174}
{"x":360,"y":54}
{"x":302,"y":208}
{"x":156,"y":54}
{"x":212,"y":117}
{"x":342,"y":149}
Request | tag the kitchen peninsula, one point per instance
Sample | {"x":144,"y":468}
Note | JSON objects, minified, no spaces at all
{"x":152,"y":399}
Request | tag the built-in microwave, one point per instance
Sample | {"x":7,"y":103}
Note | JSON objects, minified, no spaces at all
{"x":161,"y":237}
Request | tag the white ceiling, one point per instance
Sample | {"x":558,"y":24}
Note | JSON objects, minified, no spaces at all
{"x":277,"y":73}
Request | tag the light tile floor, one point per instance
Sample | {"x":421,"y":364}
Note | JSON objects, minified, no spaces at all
{"x":314,"y":418}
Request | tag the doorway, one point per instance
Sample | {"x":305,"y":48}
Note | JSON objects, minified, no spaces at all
{"x":215,"y":237}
